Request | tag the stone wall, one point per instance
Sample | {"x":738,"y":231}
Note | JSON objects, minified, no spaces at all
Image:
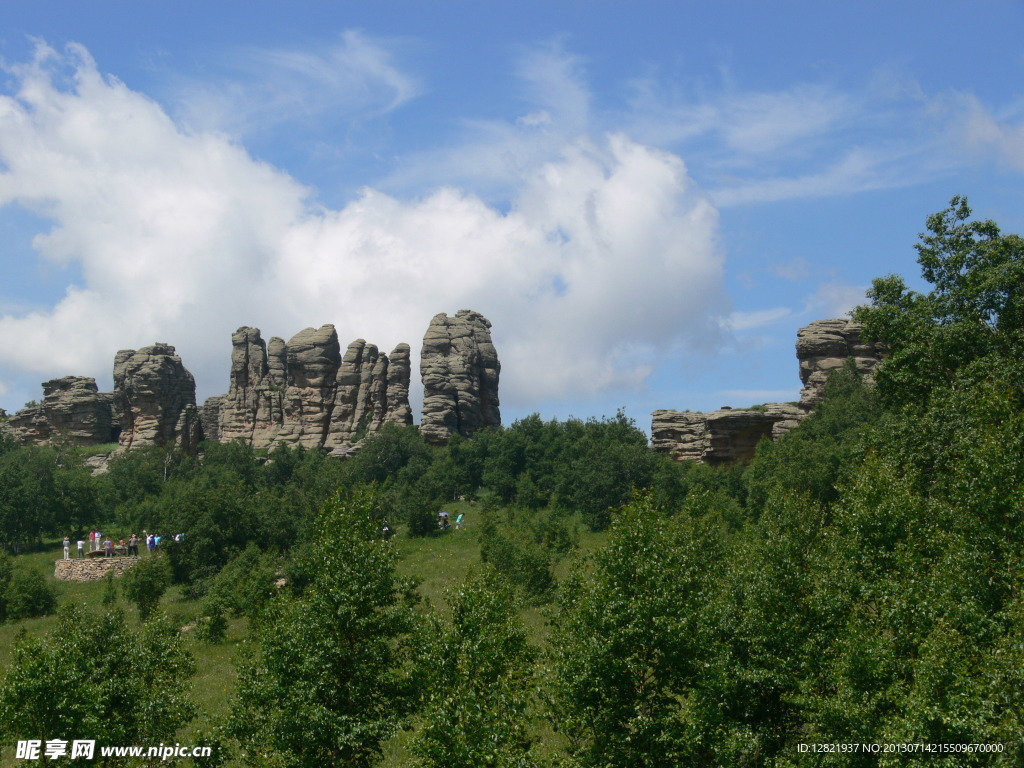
{"x":91,"y":568}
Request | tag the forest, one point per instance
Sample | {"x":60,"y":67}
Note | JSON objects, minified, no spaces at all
{"x":600,"y":605}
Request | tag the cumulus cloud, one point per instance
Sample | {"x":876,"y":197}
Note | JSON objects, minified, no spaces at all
{"x":606,"y":255}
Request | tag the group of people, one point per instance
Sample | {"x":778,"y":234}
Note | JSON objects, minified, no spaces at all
{"x":110,"y":549}
{"x":444,"y":524}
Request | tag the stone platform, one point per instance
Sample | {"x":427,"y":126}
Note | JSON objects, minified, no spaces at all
{"x":91,"y":568}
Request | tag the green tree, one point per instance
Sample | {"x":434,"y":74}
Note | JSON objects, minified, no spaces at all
{"x":630,"y":643}
{"x":820,"y":455}
{"x":95,"y":678}
{"x":29,"y":594}
{"x":28,"y":499}
{"x":601,"y":465}
{"x":6,"y":573}
{"x":478,"y":682}
{"x":145,"y":583}
{"x":326,"y":684}
{"x":975,"y":308}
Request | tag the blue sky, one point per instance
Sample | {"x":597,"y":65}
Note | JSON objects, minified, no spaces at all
{"x":647,"y":199}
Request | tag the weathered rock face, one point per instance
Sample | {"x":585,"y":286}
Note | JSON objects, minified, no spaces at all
{"x":209,"y":415}
{"x":304,"y":392}
{"x":155,"y":399}
{"x":73,"y":409}
{"x":825,"y":345}
{"x":459,"y":367}
{"x":724,"y":436}
{"x":730,"y":435}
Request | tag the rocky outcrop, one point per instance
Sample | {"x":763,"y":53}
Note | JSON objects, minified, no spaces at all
{"x":155,"y":399}
{"x":825,"y":345}
{"x":209,"y":415}
{"x":459,"y":367}
{"x":301,"y":392}
{"x":729,"y":435}
{"x":73,"y":409}
{"x":305,"y":392}
{"x":725,"y":436}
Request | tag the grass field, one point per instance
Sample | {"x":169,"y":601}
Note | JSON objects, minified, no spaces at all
{"x":438,"y":563}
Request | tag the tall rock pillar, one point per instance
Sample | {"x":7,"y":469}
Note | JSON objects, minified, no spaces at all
{"x":459,"y":367}
{"x":155,"y":398}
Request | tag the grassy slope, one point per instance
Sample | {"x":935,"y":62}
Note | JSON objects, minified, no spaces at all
{"x":439,"y":563}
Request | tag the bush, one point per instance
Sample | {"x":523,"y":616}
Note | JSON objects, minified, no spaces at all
{"x":146,"y":583}
{"x":246,"y":583}
{"x":28,"y":594}
{"x":524,"y":546}
{"x":212,"y":626}
{"x":109,"y":590}
{"x":62,"y":684}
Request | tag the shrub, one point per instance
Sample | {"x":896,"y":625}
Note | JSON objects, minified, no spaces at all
{"x":246,"y":583}
{"x":28,"y":594}
{"x":109,"y":590}
{"x":146,"y":583}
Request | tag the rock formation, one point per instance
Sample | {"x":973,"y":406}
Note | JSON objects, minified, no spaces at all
{"x":301,"y":392}
{"x":155,"y":399}
{"x":459,"y":367}
{"x":304,"y":392}
{"x":825,"y":345}
{"x":73,"y":409}
{"x":729,"y":435}
{"x":724,"y":436}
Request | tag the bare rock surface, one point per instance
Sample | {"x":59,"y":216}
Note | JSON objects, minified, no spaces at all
{"x":825,"y":345}
{"x":72,"y":409}
{"x":729,"y":435}
{"x":305,"y":392}
{"x":460,"y":369}
{"x":725,"y":436}
{"x":155,"y":399}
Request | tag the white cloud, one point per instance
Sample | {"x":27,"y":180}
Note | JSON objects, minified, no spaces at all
{"x":607,"y":255}
{"x":356,"y":77}
{"x":794,"y":269}
{"x":555,"y":81}
{"x":742,"y":321}
{"x":493,"y":157}
{"x":985,"y":131}
{"x":834,"y":299}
